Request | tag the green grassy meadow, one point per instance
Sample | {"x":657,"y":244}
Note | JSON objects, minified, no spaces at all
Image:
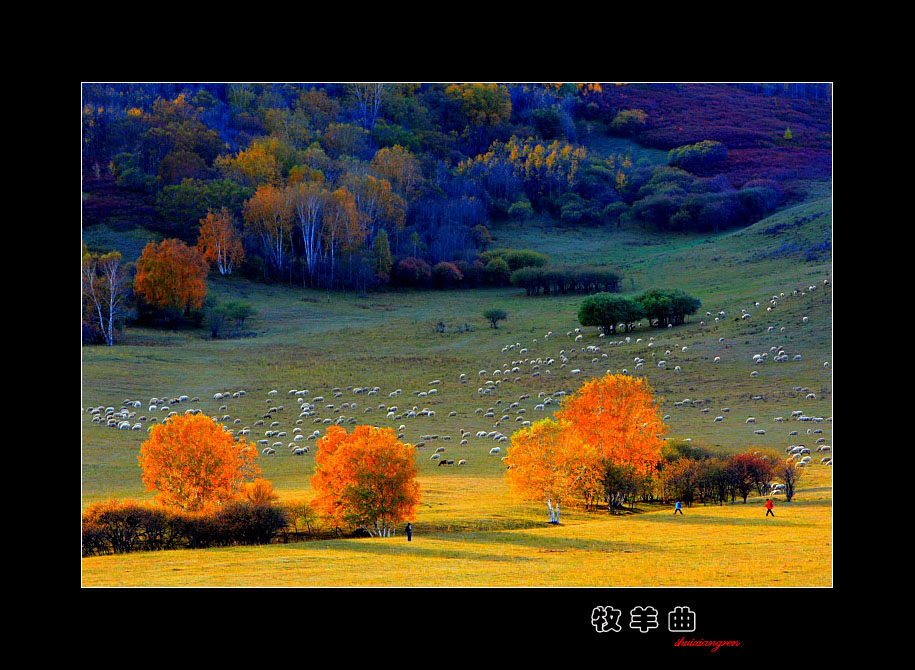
{"x":469,"y":529}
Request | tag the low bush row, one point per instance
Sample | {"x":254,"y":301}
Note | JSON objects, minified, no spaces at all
{"x":572,"y":279}
{"x":123,"y":526}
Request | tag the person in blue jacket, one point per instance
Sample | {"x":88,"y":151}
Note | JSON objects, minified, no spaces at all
{"x":678,"y":508}
{"x":409,"y":532}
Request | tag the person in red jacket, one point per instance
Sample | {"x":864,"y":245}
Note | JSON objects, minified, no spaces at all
{"x":769,"y":506}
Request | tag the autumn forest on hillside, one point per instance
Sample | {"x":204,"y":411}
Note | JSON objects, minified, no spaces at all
{"x":366,"y":186}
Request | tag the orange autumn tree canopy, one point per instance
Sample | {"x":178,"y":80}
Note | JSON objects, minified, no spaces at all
{"x":193,"y":463}
{"x":366,"y":479}
{"x":219,"y":241}
{"x":172,"y":274}
{"x":618,"y":416}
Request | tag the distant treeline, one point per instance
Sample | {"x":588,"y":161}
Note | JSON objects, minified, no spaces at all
{"x":571,"y":279}
{"x":332,"y":185}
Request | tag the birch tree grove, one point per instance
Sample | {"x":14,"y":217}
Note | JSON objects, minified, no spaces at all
{"x":105,"y":290}
{"x":379,"y":204}
{"x":369,"y":98}
{"x":343,"y":226}
{"x":268,"y":214}
{"x":309,"y":202}
{"x":219,"y":242}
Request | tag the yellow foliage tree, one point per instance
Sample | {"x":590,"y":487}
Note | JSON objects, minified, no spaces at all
{"x":549,"y":461}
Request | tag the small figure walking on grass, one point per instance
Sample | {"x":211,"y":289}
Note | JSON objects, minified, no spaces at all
{"x":678,"y":508}
{"x":769,"y":506}
{"x":409,"y":532}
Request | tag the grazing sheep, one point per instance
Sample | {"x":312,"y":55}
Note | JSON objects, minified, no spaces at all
{"x":494,"y":451}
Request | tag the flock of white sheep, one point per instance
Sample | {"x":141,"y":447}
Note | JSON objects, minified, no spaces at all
{"x":276,"y":429}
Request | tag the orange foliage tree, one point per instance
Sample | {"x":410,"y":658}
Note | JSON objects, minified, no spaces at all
{"x":618,"y":416}
{"x":268,"y":215}
{"x":379,"y":205}
{"x":365,"y":479}
{"x":549,"y":461}
{"x":194,"y":463}
{"x":219,"y":242}
{"x":260,"y":491}
{"x":171,"y":275}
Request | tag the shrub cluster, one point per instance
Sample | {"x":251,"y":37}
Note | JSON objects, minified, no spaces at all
{"x":412,"y":272}
{"x":660,"y":307}
{"x":446,"y":274}
{"x":573,"y":279}
{"x":674,"y":199}
{"x":516,"y":258}
{"x":697,"y":156}
{"x":663,"y":308}
{"x":124,"y":526}
{"x":691,"y":474}
{"x":491,"y":268}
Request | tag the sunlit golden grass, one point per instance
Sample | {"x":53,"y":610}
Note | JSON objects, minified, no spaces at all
{"x":729,"y":545}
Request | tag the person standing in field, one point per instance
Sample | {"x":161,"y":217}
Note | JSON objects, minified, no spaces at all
{"x":678,"y":508}
{"x":769,"y":506}
{"x":409,"y":532}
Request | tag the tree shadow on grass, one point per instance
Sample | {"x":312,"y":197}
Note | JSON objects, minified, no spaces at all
{"x":801,"y":502}
{"x":554,"y":542}
{"x":398,"y":546}
{"x":698,"y":518}
{"x":474,"y":525}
